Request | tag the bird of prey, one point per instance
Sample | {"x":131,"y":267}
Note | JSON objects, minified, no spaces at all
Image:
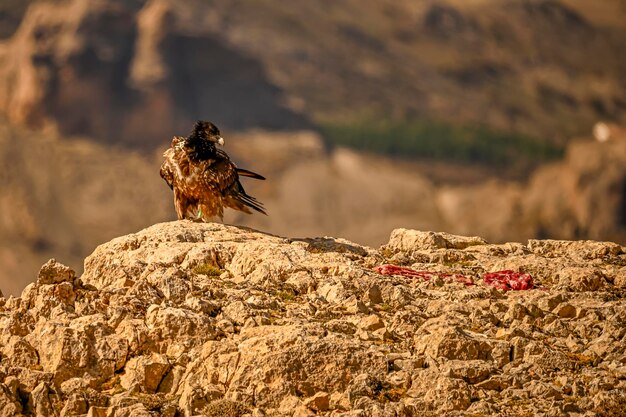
{"x":203,"y":178}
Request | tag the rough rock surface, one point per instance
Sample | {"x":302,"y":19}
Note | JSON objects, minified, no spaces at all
{"x":186,"y":319}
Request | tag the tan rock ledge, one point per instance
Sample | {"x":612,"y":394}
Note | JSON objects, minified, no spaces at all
{"x":186,"y":319}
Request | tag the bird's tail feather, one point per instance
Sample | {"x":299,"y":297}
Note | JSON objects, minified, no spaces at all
{"x":247,"y":173}
{"x":249,"y":201}
{"x":253,"y":203}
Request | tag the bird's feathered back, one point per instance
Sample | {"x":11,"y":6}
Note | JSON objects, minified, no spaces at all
{"x":203,"y":178}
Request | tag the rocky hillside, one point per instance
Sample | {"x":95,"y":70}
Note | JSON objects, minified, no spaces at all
{"x":130,"y":71}
{"x":63,"y":197}
{"x":186,"y":319}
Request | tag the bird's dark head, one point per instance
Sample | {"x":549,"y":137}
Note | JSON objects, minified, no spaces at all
{"x":201,"y":142}
{"x":207,"y":131}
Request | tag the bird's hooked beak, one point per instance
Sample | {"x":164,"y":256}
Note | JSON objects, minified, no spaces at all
{"x":220,"y":141}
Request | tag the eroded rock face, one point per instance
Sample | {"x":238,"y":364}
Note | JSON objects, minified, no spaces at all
{"x":207,"y":319}
{"x":141,"y":60}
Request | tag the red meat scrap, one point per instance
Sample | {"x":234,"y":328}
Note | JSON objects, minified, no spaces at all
{"x":388,"y":269}
{"x":509,"y":280}
{"x":503,"y":280}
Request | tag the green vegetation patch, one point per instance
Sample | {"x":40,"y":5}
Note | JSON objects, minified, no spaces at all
{"x":286,"y":296}
{"x":225,"y":408}
{"x":439,"y":141}
{"x":207,"y":269}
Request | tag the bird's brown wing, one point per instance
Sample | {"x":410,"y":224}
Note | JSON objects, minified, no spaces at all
{"x":224,"y":175}
{"x":172,"y":156}
{"x":240,"y":171}
{"x":199,"y":186}
{"x":175,"y":171}
{"x":166,"y":171}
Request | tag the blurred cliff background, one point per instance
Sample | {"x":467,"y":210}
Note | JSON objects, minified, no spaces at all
{"x":465,"y":116}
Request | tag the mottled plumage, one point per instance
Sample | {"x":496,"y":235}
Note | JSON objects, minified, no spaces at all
{"x":203,"y":178}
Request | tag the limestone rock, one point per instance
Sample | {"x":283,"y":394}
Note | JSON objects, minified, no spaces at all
{"x":145,"y":371}
{"x":40,"y":401}
{"x":53,"y":272}
{"x":10,"y":405}
{"x":207,"y":319}
{"x":319,"y":402}
{"x":403,"y":240}
{"x":372,"y":322}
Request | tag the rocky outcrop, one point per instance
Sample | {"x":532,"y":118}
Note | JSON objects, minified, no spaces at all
{"x":207,"y":319}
